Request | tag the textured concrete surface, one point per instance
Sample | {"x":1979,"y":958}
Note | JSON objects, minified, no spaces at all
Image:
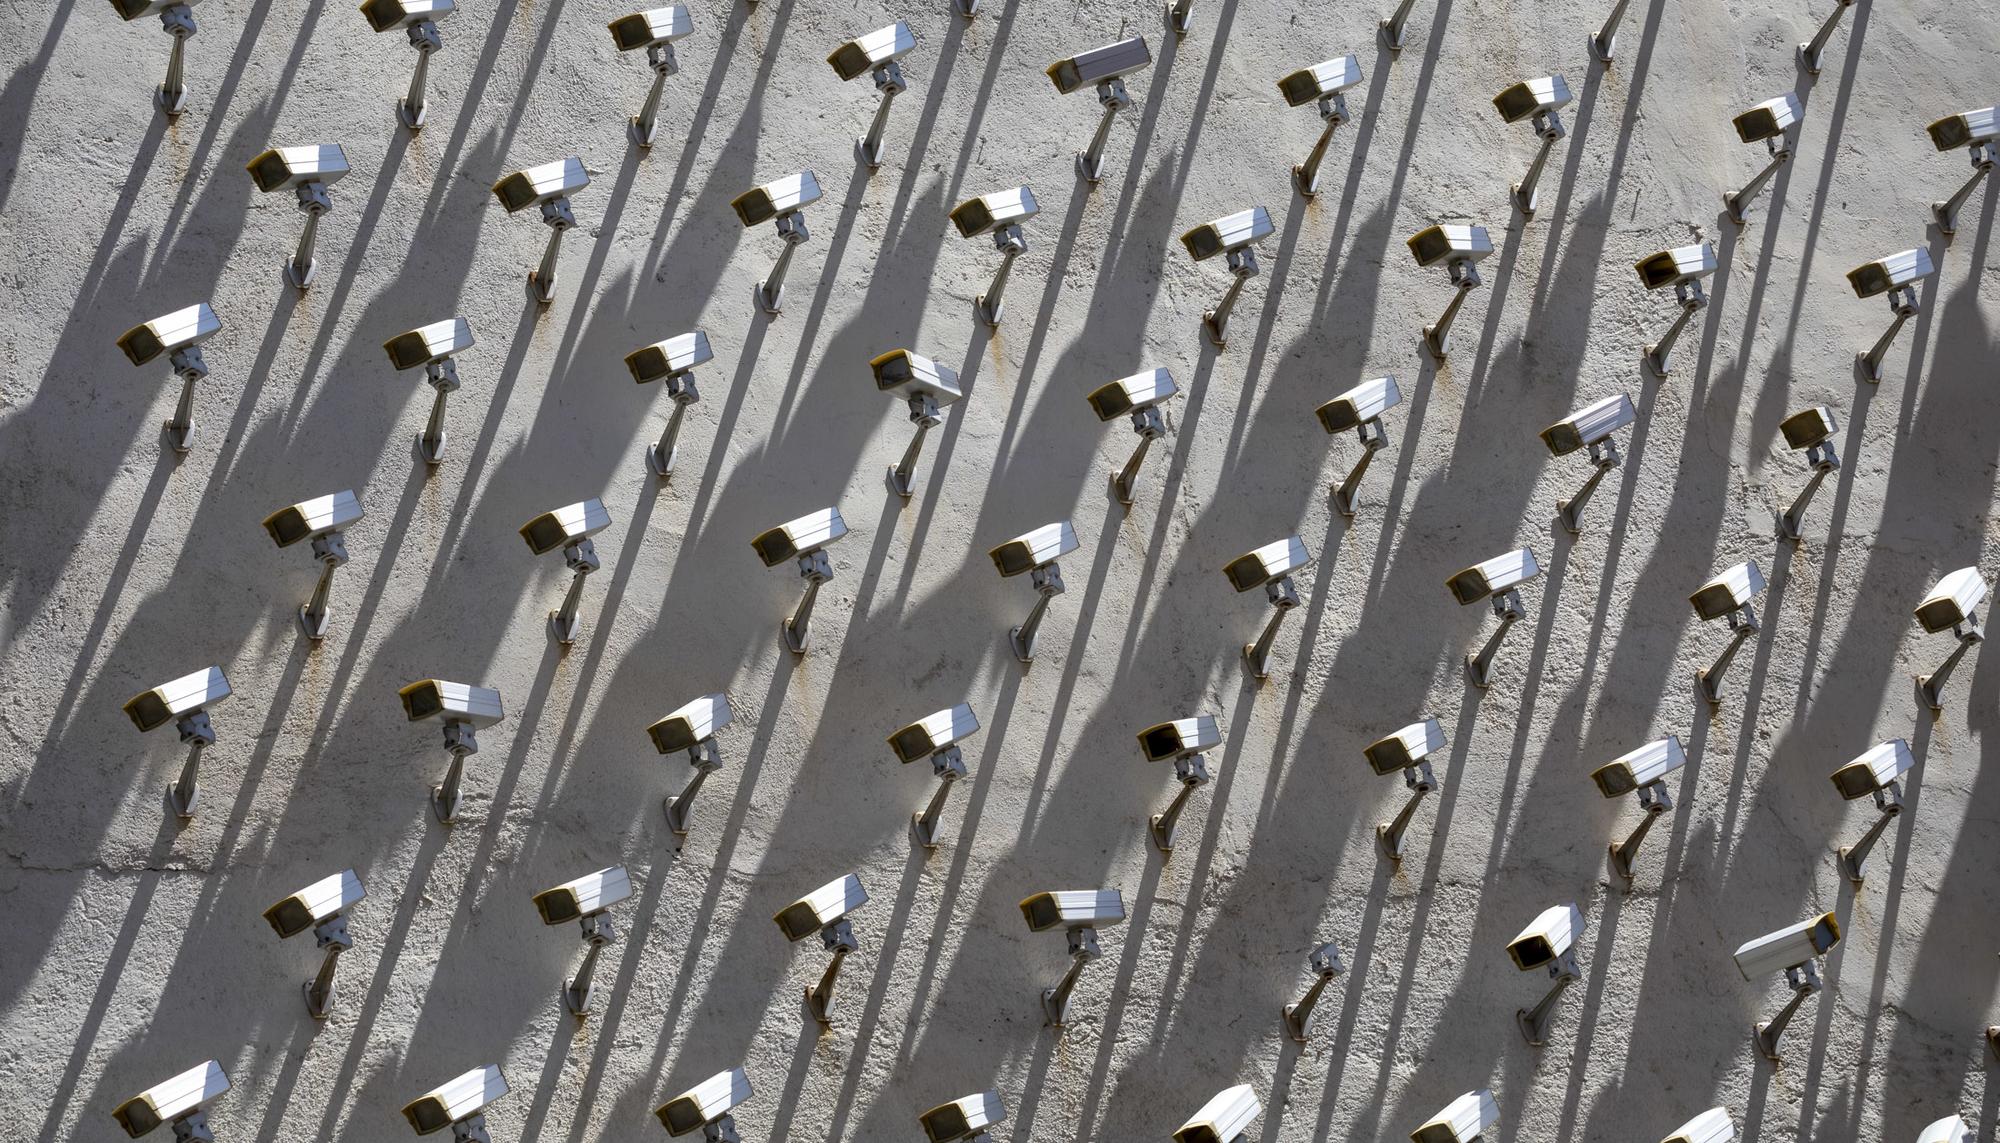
{"x":133,"y":949}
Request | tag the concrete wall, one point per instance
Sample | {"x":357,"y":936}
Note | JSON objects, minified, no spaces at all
{"x":133,"y":948}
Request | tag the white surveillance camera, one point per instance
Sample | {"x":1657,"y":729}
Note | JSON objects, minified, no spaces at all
{"x":458,"y":1104}
{"x":307,"y":172}
{"x":1105,"y":67}
{"x":705,"y":1107}
{"x":1875,"y":770}
{"x":1540,"y":100}
{"x":1589,"y":427}
{"x":1729,"y":596}
{"x":1499,"y":579}
{"x":1036,"y":553}
{"x":1644,"y":770}
{"x":1325,"y":83}
{"x":178,"y":335}
{"x":1812,"y":431}
{"x":876,"y":52}
{"x":418,"y":19}
{"x":180,"y":1101}
{"x":321,"y":907}
{"x":824,"y":911}
{"x":672,"y":361}
{"x":1897,"y":276}
{"x":1461,"y":249}
{"x":547,"y":186}
{"x":1409,"y":751}
{"x":1184,"y":740}
{"x":926,"y":388}
{"x":1548,"y":942}
{"x":935,"y":736}
{"x":1231,"y":235}
{"x":313,"y":519}
{"x":782,"y":203}
{"x":1079,"y":912}
{"x":1463,"y":1120}
{"x":1226,"y":1118}
{"x":184,"y":702}
{"x":1138,"y":397}
{"x":569,"y":528}
{"x":1360,"y":409}
{"x":1711,"y":1126}
{"x":177,"y":21}
{"x":1770,"y":123}
{"x":432,"y":347}
{"x":1269,"y":567}
{"x":1791,"y":950}
{"x":803,"y":541}
{"x":1951,"y":605}
{"x":1976,"y":131}
{"x":1324,"y":962}
{"x":585,"y":901}
{"x":963,"y":1120}
{"x":464,"y":709}
{"x":692,"y":728}
{"x":1001,"y":215}
{"x":654,"y":30}
{"x":1683,"y":268}
{"x":1950,"y":1129}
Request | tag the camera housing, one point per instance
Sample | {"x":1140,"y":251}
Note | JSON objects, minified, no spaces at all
{"x":316,"y":904}
{"x":456,"y":1100}
{"x":1450,"y":243}
{"x":933,"y":732}
{"x":452,"y":702}
{"x":667,"y":358}
{"x":429,"y":344}
{"x":1320,"y":81}
{"x":964,"y":1119}
{"x":911,"y":375}
{"x":1809,"y":427}
{"x":1642,"y":767}
{"x":1769,"y":119}
{"x":587,"y":895}
{"x":1099,"y":65}
{"x":169,"y":333}
{"x":1406,"y":747}
{"x":1266,"y":565}
{"x":1893,"y":272}
{"x":561,"y":527}
{"x":1073,"y":908}
{"x":1498,"y":575}
{"x":1128,"y":395}
{"x":652,"y":27}
{"x":1735,"y":588}
{"x":863,"y":54}
{"x":1789,"y":947}
{"x":988,"y":212}
{"x":1463,"y":1119}
{"x":1953,"y":601}
{"x":287,"y":168}
{"x":1225,"y":1118}
{"x":1547,"y":939}
{"x":801,"y":537}
{"x":1874,"y":770}
{"x":1589,"y":425}
{"x":1359,"y":405}
{"x":183,"y":1097}
{"x":1169,"y":741}
{"x":177,"y":699}
{"x":692,"y":724}
{"x":311,"y":519}
{"x":1965,"y":129}
{"x":390,"y":15}
{"x":777,"y":199}
{"x":543,"y":183}
{"x":1030,"y":550}
{"x":1676,"y":267}
{"x":1228,"y":234}
{"x":709,"y":1101}
{"x":822,"y":907}
{"x":1711,"y":1126}
{"x":1532,"y":97}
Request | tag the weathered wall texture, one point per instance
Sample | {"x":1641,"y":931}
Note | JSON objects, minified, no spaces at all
{"x":132,"y":948}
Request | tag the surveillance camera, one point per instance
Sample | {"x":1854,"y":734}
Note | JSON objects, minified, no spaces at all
{"x":418,"y":19}
{"x":1547,"y":939}
{"x":1231,"y":235}
{"x":1532,"y":97}
{"x":1105,"y":67}
{"x":178,"y":335}
{"x":1463,"y":1120}
{"x":180,"y":1101}
{"x":177,"y":21}
{"x":1081,"y":912}
{"x":1789,"y":947}
{"x":321,"y":907}
{"x":1461,"y":248}
{"x":547,"y":186}
{"x":1497,"y":576}
{"x":935,"y":736}
{"x":1326,"y":83}
{"x":184,"y":702}
{"x":1683,"y":266}
{"x":1809,"y":428}
{"x":782,"y":202}
{"x":1952,"y":601}
{"x":1184,"y":740}
{"x":1590,"y":426}
{"x":313,"y":519}
{"x":569,"y":528}
{"x":1035,"y":552}
{"x":707,"y":1105}
{"x":464,"y":709}
{"x":804,"y":541}
{"x":1406,"y":747}
{"x":692,"y":728}
{"x":1324,"y":962}
{"x":672,"y":361}
{"x":964,"y":1120}
{"x":1950,"y":1129}
{"x":1874,"y":770}
{"x":863,"y":54}
{"x":1728,"y":593}
{"x":1639,"y":768}
{"x":1138,"y":397}
{"x":1360,"y":409}
{"x":458,"y":1104}
{"x":307,"y":172}
{"x":432,"y":347}
{"x":1226,"y":1118}
{"x":824,"y":911}
{"x":1001,"y":215}
{"x":926,"y":388}
{"x":1976,"y":131}
{"x":654,"y":30}
{"x":1770,"y":122}
{"x":584,"y":897}
{"x":1711,"y":1126}
{"x":1895,"y":272}
{"x":1269,"y":567}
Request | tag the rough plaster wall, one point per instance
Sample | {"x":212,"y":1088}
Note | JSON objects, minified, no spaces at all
{"x":133,"y":949}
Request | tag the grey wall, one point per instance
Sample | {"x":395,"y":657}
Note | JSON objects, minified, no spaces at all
{"x":133,"y":948}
